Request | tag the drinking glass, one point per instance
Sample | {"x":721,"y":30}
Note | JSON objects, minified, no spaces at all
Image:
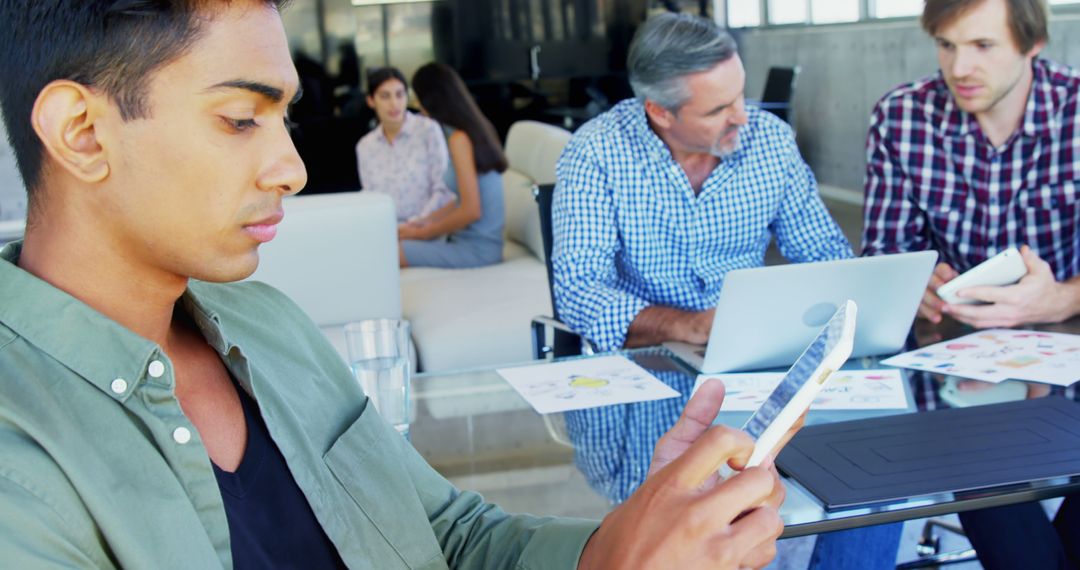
{"x":379,"y":357}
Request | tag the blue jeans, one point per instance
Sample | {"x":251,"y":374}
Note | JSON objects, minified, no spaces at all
{"x":866,"y":548}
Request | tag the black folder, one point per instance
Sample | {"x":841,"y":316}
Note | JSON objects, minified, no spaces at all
{"x":888,"y":459}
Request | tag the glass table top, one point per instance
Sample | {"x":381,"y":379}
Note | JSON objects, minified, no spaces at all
{"x":479,"y":433}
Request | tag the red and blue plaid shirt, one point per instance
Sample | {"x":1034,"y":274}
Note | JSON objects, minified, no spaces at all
{"x":934,"y":181}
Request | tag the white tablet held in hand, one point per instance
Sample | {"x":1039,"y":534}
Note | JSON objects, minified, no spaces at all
{"x":1004,"y":268}
{"x":826,"y":353}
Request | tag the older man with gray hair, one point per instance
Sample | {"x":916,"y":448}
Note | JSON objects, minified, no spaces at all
{"x":657,"y":199}
{"x":661,"y":196}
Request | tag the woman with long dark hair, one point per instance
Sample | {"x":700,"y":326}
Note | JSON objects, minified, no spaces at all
{"x":468,"y":231}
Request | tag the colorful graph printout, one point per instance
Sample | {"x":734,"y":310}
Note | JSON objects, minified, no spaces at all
{"x":585,"y":383}
{"x":845,"y":390}
{"x":995,"y":355}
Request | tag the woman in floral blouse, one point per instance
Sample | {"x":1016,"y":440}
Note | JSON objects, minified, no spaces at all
{"x":405,"y":156}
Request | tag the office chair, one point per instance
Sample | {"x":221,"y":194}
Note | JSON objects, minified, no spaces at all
{"x":564,"y":341}
{"x":929,"y":548}
{"x":778,"y":95}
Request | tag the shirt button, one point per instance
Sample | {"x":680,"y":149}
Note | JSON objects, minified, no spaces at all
{"x":156,"y":369}
{"x":182,"y":435}
{"x":118,"y":386}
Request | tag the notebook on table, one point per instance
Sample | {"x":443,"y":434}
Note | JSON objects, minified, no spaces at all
{"x":887,"y":459}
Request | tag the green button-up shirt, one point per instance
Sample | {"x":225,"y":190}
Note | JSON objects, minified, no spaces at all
{"x":99,"y":466}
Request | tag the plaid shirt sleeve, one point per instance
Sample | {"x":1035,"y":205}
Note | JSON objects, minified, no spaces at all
{"x":587,"y":297}
{"x":804,"y":229}
{"x":891,"y":222}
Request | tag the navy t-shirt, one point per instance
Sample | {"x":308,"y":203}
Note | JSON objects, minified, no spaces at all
{"x":271,"y":524}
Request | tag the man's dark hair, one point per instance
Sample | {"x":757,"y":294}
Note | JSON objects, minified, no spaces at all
{"x":376,"y":77}
{"x":446,"y":99}
{"x":1027,"y":18}
{"x":113,"y":46}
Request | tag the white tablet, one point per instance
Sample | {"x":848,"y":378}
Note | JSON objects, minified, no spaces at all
{"x":1004,"y":268}
{"x":828,"y":351}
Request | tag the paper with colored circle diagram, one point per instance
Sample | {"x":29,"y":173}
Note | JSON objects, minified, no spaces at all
{"x":585,"y":383}
{"x":845,"y":390}
{"x":995,"y":355}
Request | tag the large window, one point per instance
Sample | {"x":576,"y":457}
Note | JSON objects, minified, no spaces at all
{"x":897,"y":8}
{"x":743,"y":13}
{"x":748,"y":13}
{"x":788,"y":11}
{"x":832,"y":11}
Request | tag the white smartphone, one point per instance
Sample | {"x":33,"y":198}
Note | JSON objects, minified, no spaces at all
{"x":1004,"y":268}
{"x":826,"y":353}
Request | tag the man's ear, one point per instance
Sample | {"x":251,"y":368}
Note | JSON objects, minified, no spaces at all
{"x":63,"y":118}
{"x":660,"y":116}
{"x":1036,"y":49}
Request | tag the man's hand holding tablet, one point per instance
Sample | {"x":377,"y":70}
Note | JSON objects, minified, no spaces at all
{"x":1004,"y":268}
{"x":771,"y":423}
{"x":684,"y":515}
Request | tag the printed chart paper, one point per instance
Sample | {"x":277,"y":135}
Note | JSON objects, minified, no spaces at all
{"x":1000,"y":354}
{"x":585,"y":383}
{"x":845,"y":390}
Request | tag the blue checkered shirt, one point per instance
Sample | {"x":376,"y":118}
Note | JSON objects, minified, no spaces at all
{"x":613,"y":445}
{"x":629,"y":230}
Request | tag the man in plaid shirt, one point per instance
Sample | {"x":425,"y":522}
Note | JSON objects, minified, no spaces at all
{"x":981,"y":156}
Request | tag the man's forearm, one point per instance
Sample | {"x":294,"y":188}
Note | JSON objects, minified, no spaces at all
{"x":656,"y":324}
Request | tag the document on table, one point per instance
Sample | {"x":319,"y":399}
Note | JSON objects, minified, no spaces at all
{"x":585,"y":383}
{"x":995,"y":355}
{"x":845,"y":390}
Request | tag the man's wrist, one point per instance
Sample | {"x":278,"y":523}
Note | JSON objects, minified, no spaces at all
{"x":1072,"y":296}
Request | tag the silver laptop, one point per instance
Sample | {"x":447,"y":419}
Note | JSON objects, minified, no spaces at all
{"x":767,"y":315}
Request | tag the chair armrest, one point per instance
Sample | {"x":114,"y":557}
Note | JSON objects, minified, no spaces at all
{"x":565,"y":342}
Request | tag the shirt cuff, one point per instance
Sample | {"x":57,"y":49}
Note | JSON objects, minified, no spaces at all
{"x":557,"y":544}
{"x":609,"y":333}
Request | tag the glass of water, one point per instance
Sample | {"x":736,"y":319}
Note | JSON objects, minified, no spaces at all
{"x":379,"y":357}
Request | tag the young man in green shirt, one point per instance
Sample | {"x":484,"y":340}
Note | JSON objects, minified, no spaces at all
{"x":134,"y":374}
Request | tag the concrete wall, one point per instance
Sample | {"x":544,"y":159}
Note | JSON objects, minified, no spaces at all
{"x":845,"y":70}
{"x":12,"y":195}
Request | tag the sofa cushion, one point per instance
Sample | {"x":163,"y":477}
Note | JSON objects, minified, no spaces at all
{"x":465,"y":318}
{"x":522,"y":213}
{"x":514,"y":250}
{"x":533,"y":148}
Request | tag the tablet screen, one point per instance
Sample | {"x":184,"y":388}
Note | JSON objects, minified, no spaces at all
{"x":797,"y":376}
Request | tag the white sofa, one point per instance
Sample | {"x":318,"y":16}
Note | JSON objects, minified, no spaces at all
{"x":466,"y":318}
{"x":336,"y":256}
{"x":11,"y":230}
